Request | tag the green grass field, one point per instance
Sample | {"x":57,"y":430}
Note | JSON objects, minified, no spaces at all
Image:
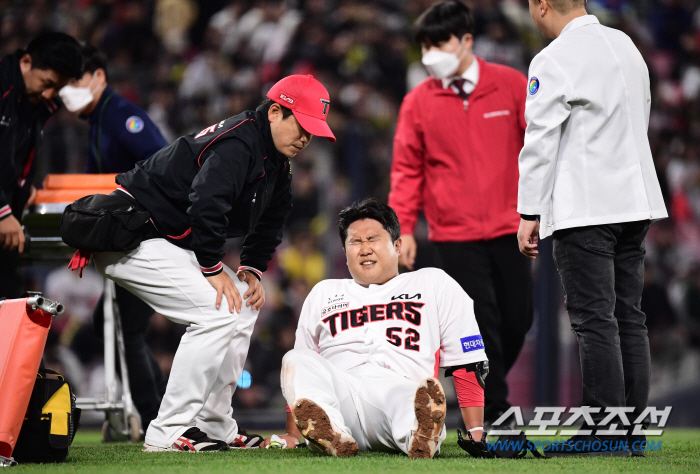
{"x":680,"y":452}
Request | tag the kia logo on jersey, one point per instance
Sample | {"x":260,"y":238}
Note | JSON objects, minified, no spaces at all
{"x":472,"y":343}
{"x":406,"y":297}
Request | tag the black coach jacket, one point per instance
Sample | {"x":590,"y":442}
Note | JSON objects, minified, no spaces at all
{"x":20,"y":133}
{"x":228,"y":180}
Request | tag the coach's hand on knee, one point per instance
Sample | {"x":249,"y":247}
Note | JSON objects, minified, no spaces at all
{"x":224,"y":286}
{"x":255,"y":296}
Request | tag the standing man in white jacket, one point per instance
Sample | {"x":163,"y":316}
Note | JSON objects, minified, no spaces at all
{"x":587,"y":178}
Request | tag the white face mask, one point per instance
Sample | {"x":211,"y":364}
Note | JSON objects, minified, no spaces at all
{"x":76,"y":98}
{"x":442,"y":65}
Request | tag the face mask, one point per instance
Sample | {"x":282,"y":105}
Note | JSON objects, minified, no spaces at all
{"x":76,"y":98}
{"x":442,"y":65}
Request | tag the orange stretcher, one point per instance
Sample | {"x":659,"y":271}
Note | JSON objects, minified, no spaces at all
{"x":24,"y":327}
{"x":66,"y":188}
{"x":42,"y":221}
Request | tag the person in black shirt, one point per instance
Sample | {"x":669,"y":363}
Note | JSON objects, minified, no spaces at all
{"x":29,"y":81}
{"x":232,"y":179}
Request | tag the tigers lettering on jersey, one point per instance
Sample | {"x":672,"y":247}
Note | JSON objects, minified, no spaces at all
{"x":412,"y":324}
{"x":355,"y":318}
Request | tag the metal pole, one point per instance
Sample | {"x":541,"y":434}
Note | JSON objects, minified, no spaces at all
{"x":126,"y":388}
{"x":109,"y":359}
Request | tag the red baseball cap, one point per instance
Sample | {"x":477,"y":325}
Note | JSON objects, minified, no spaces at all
{"x":308,"y":100}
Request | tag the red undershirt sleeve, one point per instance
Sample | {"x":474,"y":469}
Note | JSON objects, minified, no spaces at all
{"x":469,"y":392}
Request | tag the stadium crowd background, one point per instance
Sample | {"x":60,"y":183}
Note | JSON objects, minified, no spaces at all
{"x":190,"y":64}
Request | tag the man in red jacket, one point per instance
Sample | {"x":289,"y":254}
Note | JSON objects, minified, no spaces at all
{"x":456,"y":150}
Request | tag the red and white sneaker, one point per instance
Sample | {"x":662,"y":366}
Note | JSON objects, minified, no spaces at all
{"x":193,"y":440}
{"x":245,"y":440}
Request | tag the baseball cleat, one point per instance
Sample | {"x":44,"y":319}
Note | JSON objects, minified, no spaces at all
{"x":319,"y":431}
{"x":430,"y":416}
{"x":193,"y":440}
{"x":245,"y":440}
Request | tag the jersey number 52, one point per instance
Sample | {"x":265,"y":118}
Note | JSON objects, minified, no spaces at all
{"x":410,"y":343}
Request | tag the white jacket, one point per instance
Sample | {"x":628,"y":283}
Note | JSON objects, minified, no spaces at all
{"x":586,"y":158}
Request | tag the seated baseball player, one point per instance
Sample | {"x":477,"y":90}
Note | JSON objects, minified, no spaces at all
{"x":363,"y":372}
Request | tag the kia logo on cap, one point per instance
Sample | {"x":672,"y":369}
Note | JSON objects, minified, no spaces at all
{"x":288,"y":99}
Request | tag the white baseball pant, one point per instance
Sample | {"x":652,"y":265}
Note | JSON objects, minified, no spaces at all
{"x":211,"y":354}
{"x":373,"y":404}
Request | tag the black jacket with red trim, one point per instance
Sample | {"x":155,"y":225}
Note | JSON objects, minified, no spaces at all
{"x":20,"y":134}
{"x":228,"y":180}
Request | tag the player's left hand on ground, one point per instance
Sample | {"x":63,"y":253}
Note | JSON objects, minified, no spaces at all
{"x":528,"y":237}
{"x":478,"y":449}
{"x":255,"y":296}
{"x":284,"y":441}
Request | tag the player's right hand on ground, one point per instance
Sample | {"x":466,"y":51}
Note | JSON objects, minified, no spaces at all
{"x":284,"y":441}
{"x":224,"y":286}
{"x":407,"y":257}
{"x":11,"y":234}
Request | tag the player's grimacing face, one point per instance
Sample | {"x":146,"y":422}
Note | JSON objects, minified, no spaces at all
{"x":372,"y":257}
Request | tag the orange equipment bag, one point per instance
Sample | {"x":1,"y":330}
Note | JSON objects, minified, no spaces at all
{"x":23,"y":333}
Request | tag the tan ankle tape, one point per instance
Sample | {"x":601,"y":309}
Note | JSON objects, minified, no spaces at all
{"x":336,"y":439}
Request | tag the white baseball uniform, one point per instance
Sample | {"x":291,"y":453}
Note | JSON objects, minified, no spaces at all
{"x":361,"y":352}
{"x":211,"y":354}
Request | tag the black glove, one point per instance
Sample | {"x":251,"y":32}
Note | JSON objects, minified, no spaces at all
{"x":507,"y":446}
{"x":511,"y":446}
{"x":477,"y":449}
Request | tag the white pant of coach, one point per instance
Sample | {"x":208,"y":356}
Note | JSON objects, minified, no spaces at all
{"x":211,"y":354}
{"x":373,"y":404}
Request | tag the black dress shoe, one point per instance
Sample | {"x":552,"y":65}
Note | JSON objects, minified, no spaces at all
{"x":636,"y":444}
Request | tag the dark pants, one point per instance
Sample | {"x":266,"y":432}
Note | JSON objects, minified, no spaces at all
{"x":602,"y":272}
{"x":146,"y":380}
{"x":11,"y":284}
{"x":497,"y":277}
